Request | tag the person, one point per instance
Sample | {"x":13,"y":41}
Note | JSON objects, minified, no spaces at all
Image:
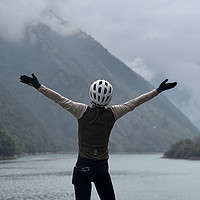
{"x":94,"y":127}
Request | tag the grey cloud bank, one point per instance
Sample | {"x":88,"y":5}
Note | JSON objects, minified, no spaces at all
{"x":15,"y":16}
{"x":157,"y":39}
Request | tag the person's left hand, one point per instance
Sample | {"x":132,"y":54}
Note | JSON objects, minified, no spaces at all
{"x":166,"y":86}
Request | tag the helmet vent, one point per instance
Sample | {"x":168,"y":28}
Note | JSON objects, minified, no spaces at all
{"x":100,"y":82}
{"x":106,"y":83}
{"x":94,"y":88}
{"x":98,"y":98}
{"x":99,"y":90}
{"x":105,"y":91}
{"x":107,"y":98}
{"x":110,"y":90}
{"x":103,"y":99}
{"x":95,"y":96}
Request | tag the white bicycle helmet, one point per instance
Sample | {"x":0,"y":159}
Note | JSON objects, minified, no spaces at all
{"x":100,"y":93}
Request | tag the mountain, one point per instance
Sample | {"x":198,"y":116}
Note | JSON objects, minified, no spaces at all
{"x":69,"y":64}
{"x":20,"y":130}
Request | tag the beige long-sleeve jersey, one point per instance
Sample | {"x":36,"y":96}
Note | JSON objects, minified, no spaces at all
{"x":78,"y":109}
{"x":95,"y":123}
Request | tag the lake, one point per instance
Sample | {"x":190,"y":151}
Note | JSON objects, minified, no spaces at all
{"x":135,"y":176}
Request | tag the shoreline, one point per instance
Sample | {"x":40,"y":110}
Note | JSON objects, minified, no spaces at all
{"x":189,"y":158}
{"x":66,"y":152}
{"x":16,"y":156}
{"x":193,"y":158}
{"x":9,"y":157}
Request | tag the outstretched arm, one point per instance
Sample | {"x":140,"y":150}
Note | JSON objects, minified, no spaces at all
{"x":77,"y":109}
{"x":120,"y":110}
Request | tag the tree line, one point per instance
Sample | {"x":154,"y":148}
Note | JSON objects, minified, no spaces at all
{"x":7,"y":144}
{"x":185,"y":149}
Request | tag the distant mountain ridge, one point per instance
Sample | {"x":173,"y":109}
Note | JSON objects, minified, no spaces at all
{"x":69,"y":65}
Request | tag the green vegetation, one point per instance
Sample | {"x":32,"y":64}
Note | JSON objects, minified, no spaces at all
{"x":7,"y":144}
{"x":185,"y":149}
{"x":10,"y":145}
{"x":20,"y":131}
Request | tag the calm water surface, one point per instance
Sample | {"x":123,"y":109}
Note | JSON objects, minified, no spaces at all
{"x":139,"y":177}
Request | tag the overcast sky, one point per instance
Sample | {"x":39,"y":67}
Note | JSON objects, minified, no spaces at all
{"x":157,"y":38}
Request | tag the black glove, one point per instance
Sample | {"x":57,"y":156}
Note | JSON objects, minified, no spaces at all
{"x":32,"y":81}
{"x":166,"y":86}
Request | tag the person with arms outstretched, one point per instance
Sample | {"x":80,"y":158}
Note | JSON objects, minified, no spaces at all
{"x":94,"y":127}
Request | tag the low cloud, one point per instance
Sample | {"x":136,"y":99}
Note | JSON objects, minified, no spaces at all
{"x":16,"y":15}
{"x":139,"y":66}
{"x":57,"y":24}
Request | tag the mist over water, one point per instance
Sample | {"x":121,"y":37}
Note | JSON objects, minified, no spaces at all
{"x":48,"y":177}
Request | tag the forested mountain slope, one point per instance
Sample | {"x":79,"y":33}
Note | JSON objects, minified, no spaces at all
{"x":20,"y":130}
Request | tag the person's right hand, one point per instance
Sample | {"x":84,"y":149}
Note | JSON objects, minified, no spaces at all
{"x":32,"y":81}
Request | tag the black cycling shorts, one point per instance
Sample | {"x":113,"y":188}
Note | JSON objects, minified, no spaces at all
{"x":87,"y":171}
